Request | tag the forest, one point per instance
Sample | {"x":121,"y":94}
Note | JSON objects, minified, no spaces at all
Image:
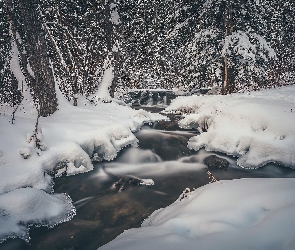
{"x":236,"y":45}
{"x":144,"y":124}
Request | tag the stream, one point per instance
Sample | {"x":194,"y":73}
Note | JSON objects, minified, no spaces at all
{"x":110,"y":200}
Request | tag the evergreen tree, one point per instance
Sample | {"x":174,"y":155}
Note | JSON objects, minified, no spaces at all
{"x":23,"y":26}
{"x":238,"y":45}
{"x":77,"y":41}
{"x":9,"y":92}
{"x":281,"y":14}
{"x":230,"y":47}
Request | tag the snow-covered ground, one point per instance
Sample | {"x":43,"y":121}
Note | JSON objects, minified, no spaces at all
{"x":239,"y":214}
{"x":67,"y":140}
{"x":258,"y":127}
{"x":225,"y":215}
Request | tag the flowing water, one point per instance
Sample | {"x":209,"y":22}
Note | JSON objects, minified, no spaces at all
{"x":105,"y":210}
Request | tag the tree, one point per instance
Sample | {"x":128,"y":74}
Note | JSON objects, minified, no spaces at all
{"x":9,"y":91}
{"x":22,"y":18}
{"x":147,"y":50}
{"x":77,"y":44}
{"x":230,"y":48}
{"x":112,"y":20}
{"x":86,"y":47}
{"x":281,"y":31}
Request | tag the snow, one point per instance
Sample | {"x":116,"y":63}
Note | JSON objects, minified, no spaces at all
{"x":147,"y":182}
{"x":32,"y":206}
{"x":150,"y":90}
{"x":240,"y":43}
{"x":237,"y":214}
{"x":27,"y":102}
{"x":68,"y":142}
{"x":115,"y":18}
{"x":103,"y":90}
{"x":247,"y":52}
{"x":258,"y":127}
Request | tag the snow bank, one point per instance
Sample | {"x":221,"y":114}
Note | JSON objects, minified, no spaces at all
{"x":74,"y":137}
{"x":258,"y":128}
{"x":237,"y":214}
{"x":26,"y":206}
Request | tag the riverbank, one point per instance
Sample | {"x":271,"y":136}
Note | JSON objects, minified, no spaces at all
{"x":67,"y":142}
{"x":226,"y":215}
{"x":109,"y":199}
{"x":258,"y":128}
{"x":73,"y":134}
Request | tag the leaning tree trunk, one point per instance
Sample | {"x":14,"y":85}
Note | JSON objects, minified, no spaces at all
{"x":28,"y":23}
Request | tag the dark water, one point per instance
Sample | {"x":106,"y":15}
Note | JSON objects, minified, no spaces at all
{"x":103,"y":212}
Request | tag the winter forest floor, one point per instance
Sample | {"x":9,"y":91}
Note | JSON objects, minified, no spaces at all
{"x":67,"y":142}
{"x":257,"y":128}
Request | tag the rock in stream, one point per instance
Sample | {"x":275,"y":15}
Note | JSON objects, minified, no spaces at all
{"x":214,"y":162}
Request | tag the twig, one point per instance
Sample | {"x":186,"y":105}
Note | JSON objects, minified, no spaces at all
{"x":211,"y":177}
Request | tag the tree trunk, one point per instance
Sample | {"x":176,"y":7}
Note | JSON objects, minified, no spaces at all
{"x":26,"y":20}
{"x":111,"y":43}
{"x":228,"y":71}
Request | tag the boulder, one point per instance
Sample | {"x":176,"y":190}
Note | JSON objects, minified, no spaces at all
{"x":126,"y":181}
{"x":214,"y":162}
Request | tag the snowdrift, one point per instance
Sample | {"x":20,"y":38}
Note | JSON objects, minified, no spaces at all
{"x":70,"y":140}
{"x":238,"y":214}
{"x":225,"y":215}
{"x":258,"y":127}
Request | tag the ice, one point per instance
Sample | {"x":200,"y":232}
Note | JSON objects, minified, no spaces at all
{"x":236,"y":214}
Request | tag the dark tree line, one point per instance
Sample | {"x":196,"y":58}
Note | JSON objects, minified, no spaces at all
{"x":237,"y":45}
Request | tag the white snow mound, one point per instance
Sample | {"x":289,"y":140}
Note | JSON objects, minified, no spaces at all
{"x":258,"y":128}
{"x":226,"y":215}
{"x":74,"y":137}
{"x":26,"y":206}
